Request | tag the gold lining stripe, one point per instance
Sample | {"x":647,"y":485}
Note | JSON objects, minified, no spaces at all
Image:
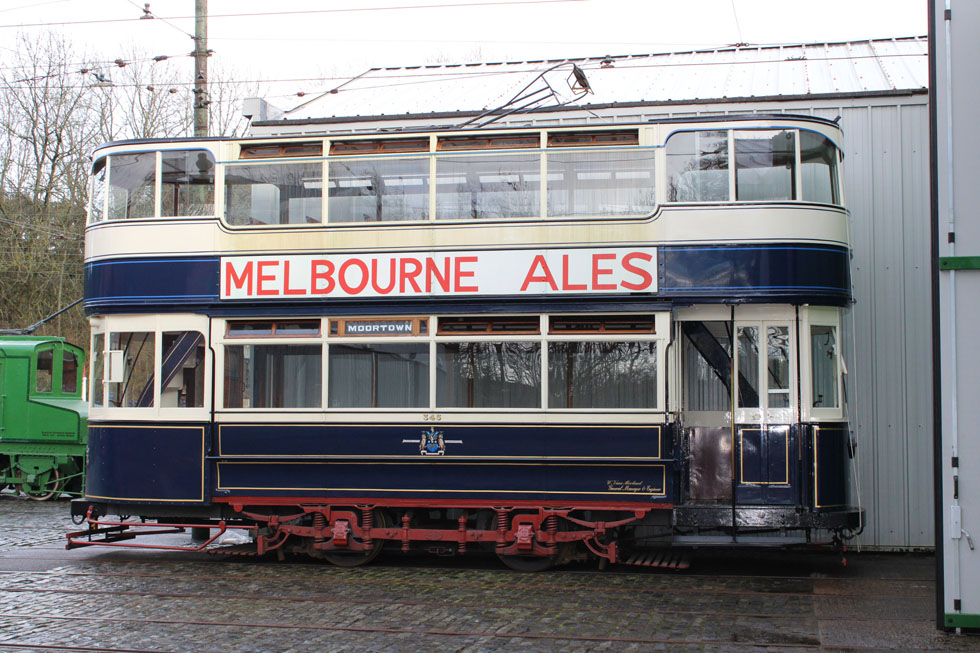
{"x":163,"y":428}
{"x":661,"y":493}
{"x":816,"y":500}
{"x":657,"y":427}
{"x":741,"y":459}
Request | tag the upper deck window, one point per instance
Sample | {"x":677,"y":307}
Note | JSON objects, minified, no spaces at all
{"x":274,"y":193}
{"x":187,"y":183}
{"x":376,"y":190}
{"x":132,"y":185}
{"x":124,"y":186}
{"x":697,"y":167}
{"x":488,"y":187}
{"x":277,"y":150}
{"x":603,"y":182}
{"x":379,"y":146}
{"x":818,"y":166}
{"x":765,"y":165}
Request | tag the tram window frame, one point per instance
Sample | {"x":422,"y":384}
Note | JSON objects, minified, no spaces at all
{"x":517,"y":178}
{"x":700,"y":160}
{"x":108,"y":368}
{"x":131,"y":187}
{"x":161,"y":182}
{"x":799,"y":186}
{"x":262,"y":195}
{"x":388,"y":364}
{"x":758,"y":176}
{"x":827,"y":318}
{"x":345,"y":194}
{"x":525,"y":336}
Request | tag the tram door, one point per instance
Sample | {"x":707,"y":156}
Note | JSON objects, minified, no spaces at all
{"x":706,"y":335}
{"x":766,"y":445}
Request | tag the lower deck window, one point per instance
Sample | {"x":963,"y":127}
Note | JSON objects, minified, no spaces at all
{"x":823,"y":356}
{"x":383,"y":375}
{"x":602,"y":375}
{"x":489,"y":375}
{"x":135,"y":390}
{"x":272,"y":376}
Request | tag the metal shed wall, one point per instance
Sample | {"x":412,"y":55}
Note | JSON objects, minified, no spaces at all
{"x":886,"y":184}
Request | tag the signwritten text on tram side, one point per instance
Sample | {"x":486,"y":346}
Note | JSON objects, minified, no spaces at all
{"x":491,"y":272}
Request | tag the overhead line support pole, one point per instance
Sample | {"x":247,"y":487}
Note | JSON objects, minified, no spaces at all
{"x":201,"y":101}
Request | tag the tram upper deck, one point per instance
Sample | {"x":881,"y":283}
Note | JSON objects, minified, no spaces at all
{"x":750,"y":193}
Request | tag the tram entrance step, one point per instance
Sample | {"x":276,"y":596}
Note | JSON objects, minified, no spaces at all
{"x":662,"y":559}
{"x":234,"y":550}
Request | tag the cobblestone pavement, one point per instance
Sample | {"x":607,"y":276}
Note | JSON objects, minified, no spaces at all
{"x":126,"y":600}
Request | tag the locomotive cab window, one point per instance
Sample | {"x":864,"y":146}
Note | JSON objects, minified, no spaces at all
{"x":44,"y":372}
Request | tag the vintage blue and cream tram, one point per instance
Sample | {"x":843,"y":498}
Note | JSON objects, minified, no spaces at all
{"x":545,"y":342}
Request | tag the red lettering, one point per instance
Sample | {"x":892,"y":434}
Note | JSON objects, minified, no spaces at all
{"x":410,"y":276}
{"x":235,"y":281}
{"x":326,"y":275}
{"x":262,"y":277}
{"x":646,"y":280}
{"x":545,"y":277}
{"x":342,"y":276}
{"x":460,"y":274}
{"x":597,"y":272}
{"x":432,"y":271}
{"x":565,"y":285}
{"x":374,"y":277}
{"x":285,"y":283}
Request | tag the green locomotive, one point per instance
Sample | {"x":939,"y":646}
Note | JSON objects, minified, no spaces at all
{"x":43,"y":416}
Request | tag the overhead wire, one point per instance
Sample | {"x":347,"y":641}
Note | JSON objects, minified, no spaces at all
{"x":262,"y":14}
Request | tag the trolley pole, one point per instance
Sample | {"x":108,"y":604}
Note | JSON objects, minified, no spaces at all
{"x":201,"y":68}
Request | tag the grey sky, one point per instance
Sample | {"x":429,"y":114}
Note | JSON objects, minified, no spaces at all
{"x":344,"y":37}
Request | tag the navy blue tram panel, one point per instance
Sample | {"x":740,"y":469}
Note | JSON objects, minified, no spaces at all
{"x":160,"y":463}
{"x":449,"y":461}
{"x":802,"y":273}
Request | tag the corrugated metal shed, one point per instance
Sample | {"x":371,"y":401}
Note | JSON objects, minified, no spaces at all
{"x":820,"y":69}
{"x":878,"y":88}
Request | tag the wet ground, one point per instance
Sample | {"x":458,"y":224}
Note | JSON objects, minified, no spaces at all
{"x":136,"y":600}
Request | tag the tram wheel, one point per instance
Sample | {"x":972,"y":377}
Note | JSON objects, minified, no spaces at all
{"x":528,"y":564}
{"x":357,"y":558}
{"x":46,"y":486}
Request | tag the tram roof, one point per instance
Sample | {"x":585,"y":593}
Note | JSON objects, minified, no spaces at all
{"x":728,"y":74}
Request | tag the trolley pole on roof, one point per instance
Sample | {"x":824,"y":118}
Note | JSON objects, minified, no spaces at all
{"x":201,"y":101}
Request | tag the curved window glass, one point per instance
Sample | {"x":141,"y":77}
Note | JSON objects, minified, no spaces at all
{"x":100,"y":173}
{"x":697,"y":167}
{"x":818,"y":166}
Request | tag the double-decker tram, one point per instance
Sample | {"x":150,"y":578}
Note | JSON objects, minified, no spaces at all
{"x":550,"y":343}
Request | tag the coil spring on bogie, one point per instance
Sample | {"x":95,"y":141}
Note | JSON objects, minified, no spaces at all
{"x":367,"y":523}
{"x":503,"y":525}
{"x":550,"y":523}
{"x":319,"y":524}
